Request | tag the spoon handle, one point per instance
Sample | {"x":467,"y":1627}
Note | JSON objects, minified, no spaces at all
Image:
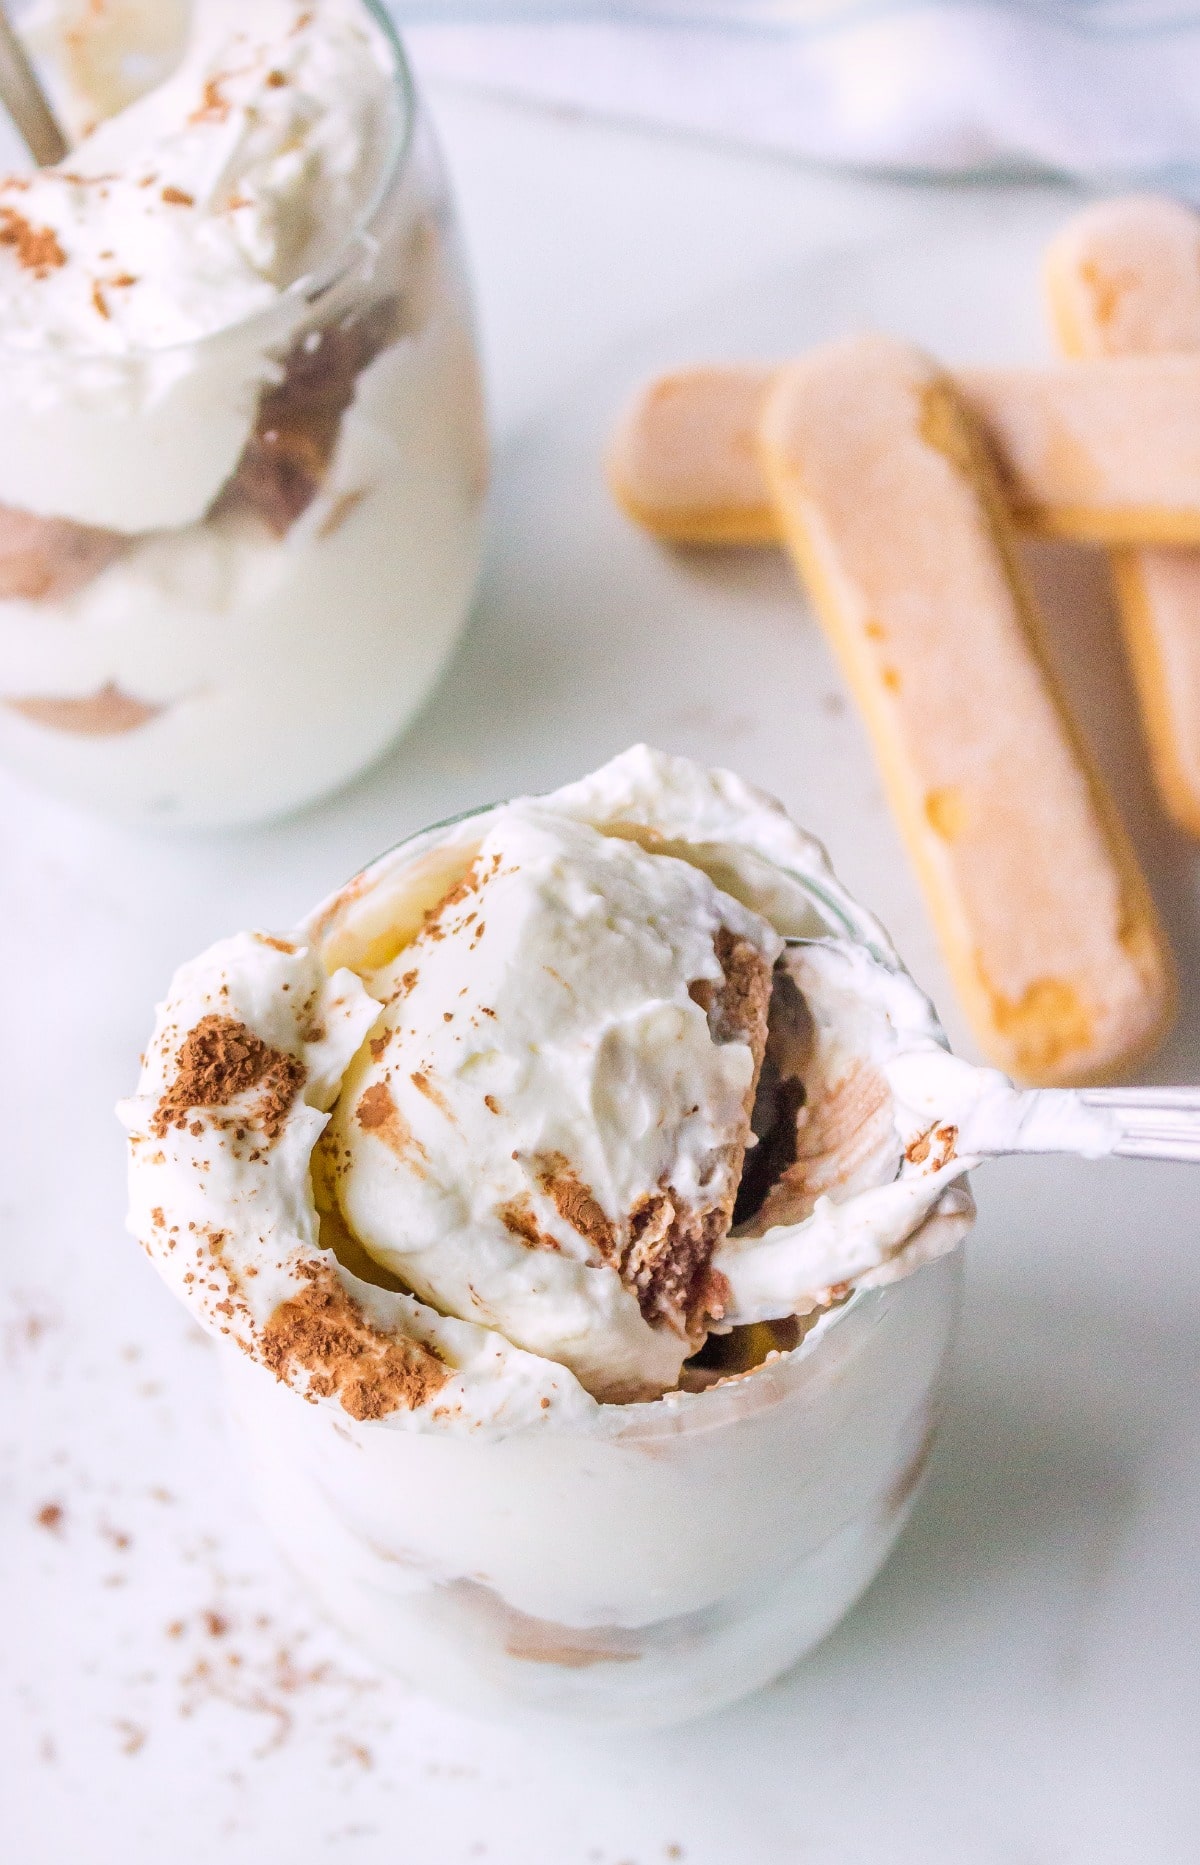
{"x":1123,"y":1123}
{"x":1155,"y":1123}
{"x":26,"y":101}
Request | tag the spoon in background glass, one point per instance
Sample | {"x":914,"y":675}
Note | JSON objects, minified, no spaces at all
{"x":25,"y":100}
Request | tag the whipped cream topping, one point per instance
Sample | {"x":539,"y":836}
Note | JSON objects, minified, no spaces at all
{"x":546,"y":1131}
{"x":189,"y":213}
{"x":607,"y":901}
{"x":198,"y":203}
{"x":96,"y":58}
{"x":221,"y":1136}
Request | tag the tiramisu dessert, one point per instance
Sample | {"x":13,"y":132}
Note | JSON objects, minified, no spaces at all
{"x":241,"y":445}
{"x":555,"y":1192}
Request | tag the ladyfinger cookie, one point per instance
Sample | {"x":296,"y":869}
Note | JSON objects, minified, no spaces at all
{"x":890,"y":506}
{"x":1123,"y":278}
{"x":684,"y":459}
{"x":1108,"y":452}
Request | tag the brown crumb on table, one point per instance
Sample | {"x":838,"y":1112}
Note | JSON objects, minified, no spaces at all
{"x":133,"y":1738}
{"x":51,"y":1517}
{"x":178,"y":197}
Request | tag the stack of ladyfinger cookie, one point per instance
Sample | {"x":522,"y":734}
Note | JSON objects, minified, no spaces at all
{"x":897,"y":488}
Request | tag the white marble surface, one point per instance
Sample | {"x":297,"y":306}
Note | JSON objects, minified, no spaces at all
{"x":1021,"y":1686}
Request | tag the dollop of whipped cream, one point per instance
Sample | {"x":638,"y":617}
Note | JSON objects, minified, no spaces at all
{"x":546,"y":1130}
{"x":136,"y":277}
{"x":198,"y":203}
{"x":539,"y":1100}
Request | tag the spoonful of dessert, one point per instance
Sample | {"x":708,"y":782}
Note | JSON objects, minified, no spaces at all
{"x":865,"y":1125}
{"x":25,"y":100}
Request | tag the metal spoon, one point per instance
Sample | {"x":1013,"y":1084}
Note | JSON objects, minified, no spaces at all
{"x":25,"y":100}
{"x":1098,"y":1123}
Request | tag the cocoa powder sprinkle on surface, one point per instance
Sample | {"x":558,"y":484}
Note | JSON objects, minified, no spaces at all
{"x":220,"y":1059}
{"x":376,"y":1108}
{"x":325,"y":1333}
{"x":517,"y":1217}
{"x":377,"y":1113}
{"x":576,"y":1204}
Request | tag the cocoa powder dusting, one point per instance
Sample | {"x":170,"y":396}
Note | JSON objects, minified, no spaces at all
{"x":220,"y":1059}
{"x":472,"y":880}
{"x":517,"y":1217}
{"x":576,"y":1203}
{"x":376,"y":1108}
{"x":377,"y":1113}
{"x":36,"y":248}
{"x":324,"y":1333}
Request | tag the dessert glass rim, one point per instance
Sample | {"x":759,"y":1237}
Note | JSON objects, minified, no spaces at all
{"x":737,"y":1393}
{"x":825,"y":901}
{"x":309,"y":287}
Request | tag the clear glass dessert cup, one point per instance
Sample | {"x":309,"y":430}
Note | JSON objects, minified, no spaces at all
{"x":236,"y":665}
{"x":652,"y":1564}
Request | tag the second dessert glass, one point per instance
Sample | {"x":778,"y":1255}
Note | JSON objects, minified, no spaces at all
{"x":235,"y":666}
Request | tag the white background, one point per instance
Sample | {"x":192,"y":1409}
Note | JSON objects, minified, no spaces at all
{"x":1021,"y":1686}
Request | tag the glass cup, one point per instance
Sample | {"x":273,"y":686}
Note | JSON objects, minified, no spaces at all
{"x":232,"y":664}
{"x":653,"y":1563}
